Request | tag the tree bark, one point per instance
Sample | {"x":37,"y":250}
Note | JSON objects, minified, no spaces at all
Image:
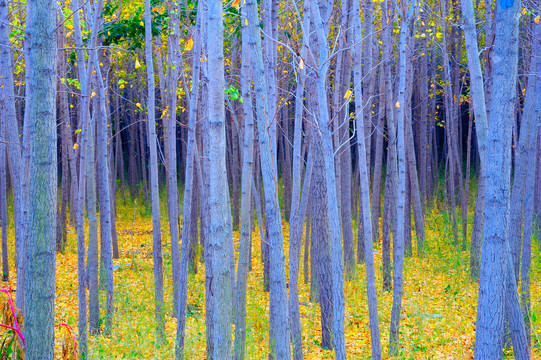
{"x":321,"y":247}
{"x":17,"y":158}
{"x":296,"y":222}
{"x":41,"y":110}
{"x":493,"y":275}
{"x":364,"y":184}
{"x":398,"y":248}
{"x":154,"y":183}
{"x":189,"y":178}
{"x":278,"y":292}
{"x":246,"y":199}
{"x":172,"y":186}
{"x":4,"y":220}
{"x":323,"y":130}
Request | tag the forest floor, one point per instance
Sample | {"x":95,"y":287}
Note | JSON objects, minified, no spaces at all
{"x":439,"y":305}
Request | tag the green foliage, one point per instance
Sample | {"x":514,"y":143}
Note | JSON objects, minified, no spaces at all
{"x":132,"y":30}
{"x":233,"y":93}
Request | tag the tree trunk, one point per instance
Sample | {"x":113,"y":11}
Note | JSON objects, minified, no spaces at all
{"x":189,"y":203}
{"x":389,"y":206}
{"x":378,"y":162}
{"x":64,"y":123}
{"x":488,"y":338}
{"x":4,"y":201}
{"x":388,"y":211}
{"x":530,"y":186}
{"x":278,"y":292}
{"x":323,"y":123}
{"x":172,"y":187}
{"x":92,"y":266}
{"x":220,"y":227}
{"x":296,"y":222}
{"x":16,"y":157}
{"x":246,"y":199}
{"x":364,"y":199}
{"x":41,"y":110}
{"x":481,"y":128}
{"x":154,"y":183}
{"x":104,"y":189}
{"x":398,"y":248}
{"x":321,"y":247}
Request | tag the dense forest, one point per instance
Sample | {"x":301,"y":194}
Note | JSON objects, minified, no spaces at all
{"x":273,"y":179}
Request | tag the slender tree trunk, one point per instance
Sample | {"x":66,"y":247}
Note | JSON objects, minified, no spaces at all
{"x":270,"y":63}
{"x":86,"y":138}
{"x":415,"y":191}
{"x":4,"y":220}
{"x":364,"y":200}
{"x":321,"y":254}
{"x":524,"y":151}
{"x":189,"y":203}
{"x":378,"y":162}
{"x":481,"y":128}
{"x":246,"y":199}
{"x":495,"y":255}
{"x":323,"y":123}
{"x":450,"y":134}
{"x":398,"y":248}
{"x":388,"y":210}
{"x":295,"y":221}
{"x":172,"y":189}
{"x":389,"y":207}
{"x":64,"y":125}
{"x":92,"y":266}
{"x":408,"y":248}
{"x":104,"y":188}
{"x":466,"y":195}
{"x":41,"y":110}
{"x":278,"y":292}
{"x":530,"y":185}
{"x":423,"y":128}
{"x":16,"y":157}
{"x":154,"y":183}
{"x":219,"y":225}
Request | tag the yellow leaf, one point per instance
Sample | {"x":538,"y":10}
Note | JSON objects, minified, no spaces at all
{"x":246,"y":22}
{"x":93,"y":94}
{"x":137,"y":65}
{"x":347,"y":94}
{"x":536,"y":20}
{"x":236,"y":4}
{"x":524,"y":11}
{"x":301,"y":64}
{"x":189,"y":44}
{"x":75,"y":146}
{"x":138,"y":105}
{"x":397,"y":105}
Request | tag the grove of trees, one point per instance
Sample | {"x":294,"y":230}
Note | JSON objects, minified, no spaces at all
{"x":329,"y":130}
